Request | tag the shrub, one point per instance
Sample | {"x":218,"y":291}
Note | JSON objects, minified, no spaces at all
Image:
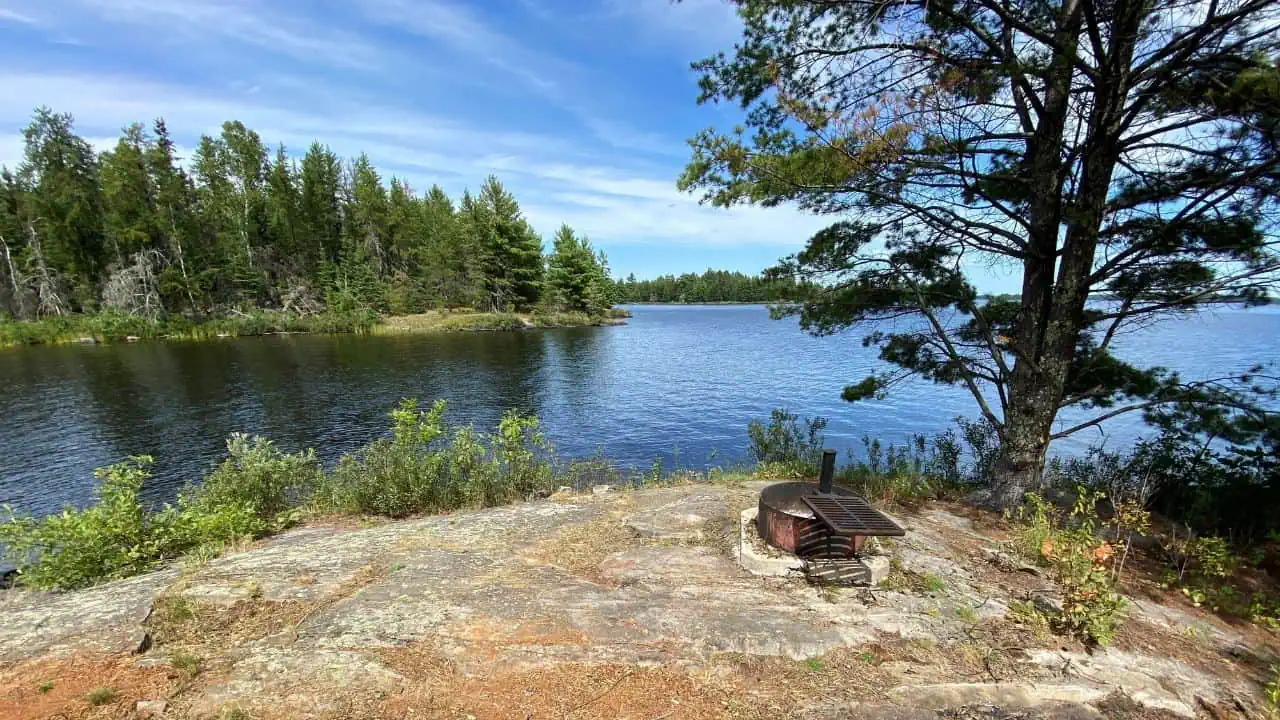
{"x":1091,"y":608}
{"x":113,"y":538}
{"x":252,"y":491}
{"x":783,"y":444}
{"x":422,"y":468}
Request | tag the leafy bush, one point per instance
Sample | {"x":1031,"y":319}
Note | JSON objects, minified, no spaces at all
{"x":258,"y":481}
{"x":1091,"y":608}
{"x":423,"y":468}
{"x":784,"y":445}
{"x":114,"y":538}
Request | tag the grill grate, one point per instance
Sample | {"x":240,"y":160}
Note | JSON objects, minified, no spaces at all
{"x":850,"y":515}
{"x":837,"y":571}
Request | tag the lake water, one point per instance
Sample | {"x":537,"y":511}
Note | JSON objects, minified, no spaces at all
{"x":677,"y":382}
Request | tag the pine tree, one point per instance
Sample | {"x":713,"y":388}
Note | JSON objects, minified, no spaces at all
{"x":576,"y":277}
{"x":175,"y":203}
{"x":512,"y":251}
{"x":62,"y":212}
{"x":1123,"y":149}
{"x":321,"y":209}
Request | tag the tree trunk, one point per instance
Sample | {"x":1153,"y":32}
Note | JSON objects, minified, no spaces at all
{"x":15,"y":279}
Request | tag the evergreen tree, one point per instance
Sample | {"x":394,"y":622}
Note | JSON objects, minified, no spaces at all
{"x":1123,"y":149}
{"x":512,"y":251}
{"x":130,"y":218}
{"x":178,"y":223}
{"x":576,"y":277}
{"x":321,"y":241}
{"x":62,"y":212}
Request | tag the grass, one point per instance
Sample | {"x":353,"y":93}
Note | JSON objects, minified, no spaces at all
{"x":186,"y":663}
{"x":108,"y":327}
{"x":100,"y":696}
{"x":815,"y":664}
{"x":44,"y":687}
{"x":465,"y":321}
{"x":933,"y":583}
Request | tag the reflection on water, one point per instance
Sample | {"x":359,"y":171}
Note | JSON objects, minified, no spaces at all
{"x":679,"y":383}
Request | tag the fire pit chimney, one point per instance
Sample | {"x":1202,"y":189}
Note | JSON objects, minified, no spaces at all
{"x":828,"y":471}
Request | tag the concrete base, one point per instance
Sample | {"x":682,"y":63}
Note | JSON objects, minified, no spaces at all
{"x":759,"y":558}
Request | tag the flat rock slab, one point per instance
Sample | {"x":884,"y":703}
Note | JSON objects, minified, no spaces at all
{"x":631,"y":579}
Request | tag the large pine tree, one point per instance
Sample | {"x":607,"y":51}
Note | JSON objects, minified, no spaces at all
{"x":1126,"y":151}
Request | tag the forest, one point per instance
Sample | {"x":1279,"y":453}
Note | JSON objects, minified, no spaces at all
{"x":710,"y":286}
{"x":237,"y":227}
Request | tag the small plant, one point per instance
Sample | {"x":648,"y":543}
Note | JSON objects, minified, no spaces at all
{"x":186,"y":663}
{"x":1091,"y":608}
{"x":933,"y":583}
{"x":815,"y":664}
{"x":1272,"y":694}
{"x":967,"y":615}
{"x":44,"y":687}
{"x":100,"y":696}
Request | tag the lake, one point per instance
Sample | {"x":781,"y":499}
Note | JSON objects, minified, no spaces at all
{"x":677,"y":382}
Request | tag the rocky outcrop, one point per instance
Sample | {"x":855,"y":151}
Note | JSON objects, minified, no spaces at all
{"x":627,"y":587}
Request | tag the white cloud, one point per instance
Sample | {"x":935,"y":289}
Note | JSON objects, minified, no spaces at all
{"x":197,"y":22}
{"x":13,"y":16}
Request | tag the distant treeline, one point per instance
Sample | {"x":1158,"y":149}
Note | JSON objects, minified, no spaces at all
{"x":710,"y":286}
{"x":235,"y":227}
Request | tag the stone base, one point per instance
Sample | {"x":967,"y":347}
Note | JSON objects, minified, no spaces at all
{"x":759,"y":558}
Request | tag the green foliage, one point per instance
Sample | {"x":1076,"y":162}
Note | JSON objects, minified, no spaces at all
{"x":426,"y":467}
{"x":914,"y":210}
{"x":1091,"y":608}
{"x":249,"y":230}
{"x":783,"y":444}
{"x":712,"y":286}
{"x":114,"y":538}
{"x":253,"y":491}
{"x":44,"y":687}
{"x":100,"y":696}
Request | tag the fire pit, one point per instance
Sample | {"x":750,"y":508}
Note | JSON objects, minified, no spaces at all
{"x":819,"y":521}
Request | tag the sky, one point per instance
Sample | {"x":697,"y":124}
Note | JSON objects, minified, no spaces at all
{"x":581,"y":107}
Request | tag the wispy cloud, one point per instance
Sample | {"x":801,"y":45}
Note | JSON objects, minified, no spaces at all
{"x":13,"y":16}
{"x":248,"y":23}
{"x":465,"y":32}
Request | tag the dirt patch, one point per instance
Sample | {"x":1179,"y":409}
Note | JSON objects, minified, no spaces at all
{"x":580,"y":692}
{"x":579,"y":549}
{"x":212,"y":626}
{"x":60,"y":687}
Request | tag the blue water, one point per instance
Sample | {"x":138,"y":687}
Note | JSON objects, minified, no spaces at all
{"x":677,"y":382}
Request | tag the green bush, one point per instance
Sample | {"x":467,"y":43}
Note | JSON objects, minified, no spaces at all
{"x":253,"y":491}
{"x":424,"y":468}
{"x":114,"y":538}
{"x":784,"y":445}
{"x":1079,"y":561}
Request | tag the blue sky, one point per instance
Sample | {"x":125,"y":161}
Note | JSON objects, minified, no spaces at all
{"x":581,"y":108}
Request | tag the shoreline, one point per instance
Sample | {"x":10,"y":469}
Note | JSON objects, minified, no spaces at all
{"x":111,"y":329}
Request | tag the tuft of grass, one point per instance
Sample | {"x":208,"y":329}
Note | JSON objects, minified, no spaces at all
{"x":44,"y":687}
{"x":815,"y":664}
{"x":100,"y":696}
{"x":967,"y":615}
{"x":186,"y":663}
{"x":933,"y":583}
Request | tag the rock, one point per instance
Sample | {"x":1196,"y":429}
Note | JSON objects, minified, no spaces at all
{"x":150,"y":709}
{"x":1047,"y":604}
{"x":878,"y":565}
{"x":139,"y":642}
{"x":601,"y":489}
{"x":564,"y":490}
{"x":87,"y":340}
{"x":132,"y":338}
